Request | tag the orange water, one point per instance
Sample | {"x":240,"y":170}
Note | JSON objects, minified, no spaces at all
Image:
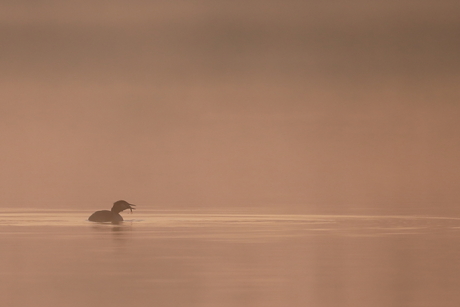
{"x":57,"y":258}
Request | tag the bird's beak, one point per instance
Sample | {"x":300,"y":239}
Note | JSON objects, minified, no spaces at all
{"x":131,"y":208}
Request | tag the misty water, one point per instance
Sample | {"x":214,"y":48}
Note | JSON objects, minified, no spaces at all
{"x":221,"y":116}
{"x":227,"y":258}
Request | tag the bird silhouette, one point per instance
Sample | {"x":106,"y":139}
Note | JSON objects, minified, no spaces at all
{"x":113,"y":215}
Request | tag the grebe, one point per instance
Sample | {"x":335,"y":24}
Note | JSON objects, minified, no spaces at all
{"x":113,"y":215}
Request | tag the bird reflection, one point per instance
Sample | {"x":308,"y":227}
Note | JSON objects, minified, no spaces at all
{"x":113,"y":215}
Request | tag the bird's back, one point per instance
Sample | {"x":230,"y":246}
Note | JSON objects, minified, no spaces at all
{"x":105,"y":216}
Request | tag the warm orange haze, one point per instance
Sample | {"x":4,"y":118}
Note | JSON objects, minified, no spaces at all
{"x":280,"y":153}
{"x":300,"y":107}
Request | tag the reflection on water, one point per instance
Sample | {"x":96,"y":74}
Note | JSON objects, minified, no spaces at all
{"x":57,"y":258}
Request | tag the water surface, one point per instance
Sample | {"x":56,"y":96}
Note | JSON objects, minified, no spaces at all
{"x":157,"y":258}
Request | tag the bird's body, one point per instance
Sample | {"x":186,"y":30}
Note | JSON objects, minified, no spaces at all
{"x":105,"y":216}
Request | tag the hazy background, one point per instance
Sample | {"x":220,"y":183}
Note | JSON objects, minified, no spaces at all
{"x":292,"y":106}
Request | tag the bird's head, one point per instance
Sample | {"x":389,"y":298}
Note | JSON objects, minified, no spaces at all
{"x":121,"y":205}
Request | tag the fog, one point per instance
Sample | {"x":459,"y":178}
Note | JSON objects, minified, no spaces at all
{"x":295,"y":107}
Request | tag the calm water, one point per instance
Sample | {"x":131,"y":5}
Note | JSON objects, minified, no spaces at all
{"x":57,"y":258}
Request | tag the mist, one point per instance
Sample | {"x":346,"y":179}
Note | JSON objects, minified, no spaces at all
{"x":295,"y":107}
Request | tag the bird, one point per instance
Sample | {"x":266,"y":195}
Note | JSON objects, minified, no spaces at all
{"x":113,"y":215}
